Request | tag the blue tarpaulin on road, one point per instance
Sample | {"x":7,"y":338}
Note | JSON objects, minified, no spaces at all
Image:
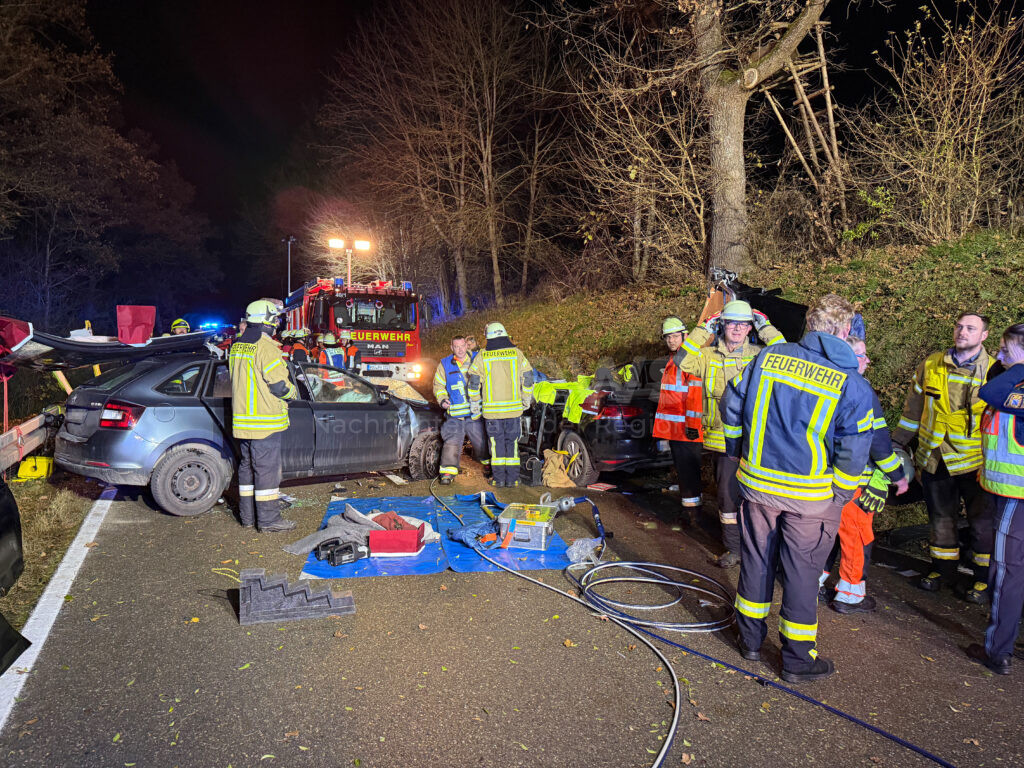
{"x":463,"y":559}
{"x":431,"y":560}
{"x":437,"y":557}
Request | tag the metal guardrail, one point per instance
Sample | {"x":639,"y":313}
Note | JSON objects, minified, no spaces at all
{"x":20,"y":441}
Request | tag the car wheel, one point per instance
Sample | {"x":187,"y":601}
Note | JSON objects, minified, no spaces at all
{"x":580,"y":469}
{"x":425,"y":455}
{"x":189,"y":479}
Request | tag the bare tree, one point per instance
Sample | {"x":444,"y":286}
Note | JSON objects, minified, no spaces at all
{"x":939,"y":149}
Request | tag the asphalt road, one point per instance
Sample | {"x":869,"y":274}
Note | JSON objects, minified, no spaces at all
{"x":147,"y":665}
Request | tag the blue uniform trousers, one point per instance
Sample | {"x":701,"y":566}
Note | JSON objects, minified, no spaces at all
{"x":454,"y":433}
{"x":503,"y":436}
{"x":1006,"y":579}
{"x":800,"y":543}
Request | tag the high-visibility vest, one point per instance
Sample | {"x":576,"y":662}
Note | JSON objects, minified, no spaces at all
{"x":942,"y":419}
{"x":679,"y":406}
{"x":456,"y":388}
{"x":1002,"y":472}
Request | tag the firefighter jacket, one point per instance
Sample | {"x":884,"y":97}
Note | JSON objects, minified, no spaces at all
{"x":944,"y":411}
{"x":1002,"y":434}
{"x":260,"y":387}
{"x":679,"y":406}
{"x":450,"y":384}
{"x":799,"y":418}
{"x":501,"y":378}
{"x":715,"y":366}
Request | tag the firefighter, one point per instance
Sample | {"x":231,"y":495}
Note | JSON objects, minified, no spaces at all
{"x":463,"y":419}
{"x":799,"y":420}
{"x":471,"y":346}
{"x":328,"y":349}
{"x":260,"y":389}
{"x":856,"y":536}
{"x":300,"y":352}
{"x":348,"y":356}
{"x":1002,"y":475}
{"x":180,"y":326}
{"x":678,"y":418}
{"x":715,"y":365}
{"x":943,"y":411}
{"x":500,"y":378}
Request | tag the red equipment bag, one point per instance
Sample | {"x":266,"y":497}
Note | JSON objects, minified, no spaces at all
{"x":135,"y":323}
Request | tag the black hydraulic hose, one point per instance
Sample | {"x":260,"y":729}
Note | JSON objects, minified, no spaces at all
{"x":590,"y":598}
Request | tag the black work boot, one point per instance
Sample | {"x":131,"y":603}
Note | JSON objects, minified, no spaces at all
{"x":819,"y":670}
{"x":867,"y":605}
{"x":728,"y":560}
{"x":978,"y":653}
{"x":932,"y":582}
{"x":977,"y":594}
{"x":447,"y":479}
{"x":279,"y":525}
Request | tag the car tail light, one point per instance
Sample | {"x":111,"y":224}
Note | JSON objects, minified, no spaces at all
{"x":120,"y":415}
{"x":619,"y":412}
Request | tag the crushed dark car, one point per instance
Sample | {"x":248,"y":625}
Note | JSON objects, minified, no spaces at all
{"x":165,"y":421}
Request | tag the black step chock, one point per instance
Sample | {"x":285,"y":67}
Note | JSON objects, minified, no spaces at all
{"x":262,"y":599}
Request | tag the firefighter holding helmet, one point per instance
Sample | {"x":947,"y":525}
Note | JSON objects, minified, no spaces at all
{"x":260,"y":391}
{"x":729,"y":351}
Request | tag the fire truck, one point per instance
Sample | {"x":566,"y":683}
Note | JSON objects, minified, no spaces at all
{"x":383,"y":317}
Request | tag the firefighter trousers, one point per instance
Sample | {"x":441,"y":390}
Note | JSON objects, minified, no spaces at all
{"x":503,"y":437}
{"x":259,"y":475}
{"x":1006,"y":579}
{"x":687,"y":456}
{"x":799,"y":543}
{"x":730,"y":501}
{"x":943,"y":495}
{"x":454,"y":433}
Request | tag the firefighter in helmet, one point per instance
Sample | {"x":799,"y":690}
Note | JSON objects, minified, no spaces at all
{"x":500,"y":378}
{"x":260,"y":391}
{"x":677,"y":419}
{"x":180,"y":326}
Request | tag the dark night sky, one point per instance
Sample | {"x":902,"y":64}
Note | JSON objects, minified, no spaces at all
{"x":222,"y":85}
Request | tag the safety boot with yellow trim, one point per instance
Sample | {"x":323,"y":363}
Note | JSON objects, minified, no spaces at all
{"x":933,"y":582}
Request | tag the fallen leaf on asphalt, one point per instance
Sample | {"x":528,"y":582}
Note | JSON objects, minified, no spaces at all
{"x":631,"y":647}
{"x":292,"y":735}
{"x":91,"y":544}
{"x":339,"y":634}
{"x":117,"y":738}
{"x":194,"y":620}
{"x":268,"y":757}
{"x":569,"y":643}
{"x":225,"y":562}
{"x":687,"y":758}
{"x":304,"y":749}
{"x":927,"y":658}
{"x":246,"y":665}
{"x":444,"y":588}
{"x":423,"y":626}
{"x":972,"y":741}
{"x":702,"y":716}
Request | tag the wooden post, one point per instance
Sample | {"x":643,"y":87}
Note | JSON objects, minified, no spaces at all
{"x":792,"y":141}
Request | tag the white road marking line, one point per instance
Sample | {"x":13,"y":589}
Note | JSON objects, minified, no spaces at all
{"x":39,"y":624}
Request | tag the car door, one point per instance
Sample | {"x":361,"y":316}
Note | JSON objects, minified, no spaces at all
{"x":297,"y":441}
{"x":356,"y":425}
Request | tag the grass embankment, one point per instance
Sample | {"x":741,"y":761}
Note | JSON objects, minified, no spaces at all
{"x":51,"y":513}
{"x":909,"y":297}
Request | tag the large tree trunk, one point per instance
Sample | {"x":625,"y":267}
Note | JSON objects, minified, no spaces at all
{"x":727,"y":243}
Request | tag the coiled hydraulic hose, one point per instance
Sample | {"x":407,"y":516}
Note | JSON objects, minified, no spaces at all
{"x":715,"y":593}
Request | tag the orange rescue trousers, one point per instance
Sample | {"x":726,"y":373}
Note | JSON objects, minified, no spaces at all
{"x":854,"y":543}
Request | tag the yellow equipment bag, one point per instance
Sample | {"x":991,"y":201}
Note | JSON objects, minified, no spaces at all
{"x":34,"y":468}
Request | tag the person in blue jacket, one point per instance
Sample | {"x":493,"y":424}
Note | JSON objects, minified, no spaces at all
{"x":1002,"y":475}
{"x":799,"y":420}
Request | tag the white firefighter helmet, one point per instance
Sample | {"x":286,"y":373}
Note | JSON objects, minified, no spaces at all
{"x":494,"y":330}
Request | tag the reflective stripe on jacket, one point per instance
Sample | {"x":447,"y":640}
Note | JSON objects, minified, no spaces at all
{"x":254,"y":368}
{"x":800,"y":420}
{"x":450,"y":384}
{"x":679,"y":406}
{"x":944,"y":411}
{"x":1002,"y":434}
{"x":502,"y":380}
{"x":716,"y":366}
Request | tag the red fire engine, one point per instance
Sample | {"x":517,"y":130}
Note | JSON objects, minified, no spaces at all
{"x":382,"y":316}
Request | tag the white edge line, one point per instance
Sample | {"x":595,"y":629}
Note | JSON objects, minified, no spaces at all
{"x":39,"y":624}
